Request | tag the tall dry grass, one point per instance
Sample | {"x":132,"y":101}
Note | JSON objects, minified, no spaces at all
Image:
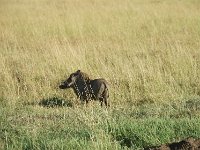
{"x":148,"y":50}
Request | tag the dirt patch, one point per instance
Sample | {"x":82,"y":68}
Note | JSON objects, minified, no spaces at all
{"x":186,"y":144}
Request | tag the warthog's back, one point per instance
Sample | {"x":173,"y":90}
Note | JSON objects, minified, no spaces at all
{"x":99,"y":88}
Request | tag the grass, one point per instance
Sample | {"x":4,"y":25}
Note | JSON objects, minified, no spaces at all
{"x":148,"y":50}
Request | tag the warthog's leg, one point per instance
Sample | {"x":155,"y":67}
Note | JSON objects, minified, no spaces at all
{"x":101,"y":100}
{"x":101,"y":103}
{"x":106,"y":102}
{"x":86,"y":102}
{"x":105,"y":97}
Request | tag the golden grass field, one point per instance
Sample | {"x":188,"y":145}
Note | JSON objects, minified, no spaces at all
{"x":148,"y":50}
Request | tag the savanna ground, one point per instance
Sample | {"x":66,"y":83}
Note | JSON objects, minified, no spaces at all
{"x":148,"y":50}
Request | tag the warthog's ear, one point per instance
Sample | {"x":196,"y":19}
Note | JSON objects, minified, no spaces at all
{"x":78,"y":71}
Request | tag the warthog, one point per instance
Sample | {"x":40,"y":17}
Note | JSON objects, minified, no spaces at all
{"x":87,"y":89}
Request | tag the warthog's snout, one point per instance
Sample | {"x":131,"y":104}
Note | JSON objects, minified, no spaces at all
{"x":63,"y":86}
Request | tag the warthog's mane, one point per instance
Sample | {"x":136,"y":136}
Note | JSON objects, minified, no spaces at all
{"x":85,"y":77}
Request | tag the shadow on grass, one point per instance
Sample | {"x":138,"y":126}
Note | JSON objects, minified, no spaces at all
{"x":55,"y":102}
{"x":193,"y":104}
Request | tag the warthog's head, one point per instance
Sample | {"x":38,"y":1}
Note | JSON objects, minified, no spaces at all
{"x":70,"y":81}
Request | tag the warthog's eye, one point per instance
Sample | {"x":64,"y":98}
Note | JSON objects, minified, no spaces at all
{"x":69,"y":80}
